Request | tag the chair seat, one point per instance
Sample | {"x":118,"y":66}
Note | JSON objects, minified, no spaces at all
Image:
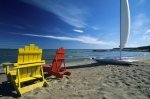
{"x":12,"y":72}
{"x":29,"y":78}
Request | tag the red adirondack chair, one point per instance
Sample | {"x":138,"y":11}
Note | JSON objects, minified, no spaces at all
{"x":56,"y":68}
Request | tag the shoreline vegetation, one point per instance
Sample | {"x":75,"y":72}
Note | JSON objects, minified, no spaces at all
{"x":136,"y":49}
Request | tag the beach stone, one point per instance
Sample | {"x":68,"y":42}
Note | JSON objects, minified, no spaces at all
{"x":85,"y":83}
{"x":67,"y":77}
{"x":62,"y":87}
{"x":104,"y":97}
{"x":55,"y":81}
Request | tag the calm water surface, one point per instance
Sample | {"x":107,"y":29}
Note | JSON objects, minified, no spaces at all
{"x":10,"y":55}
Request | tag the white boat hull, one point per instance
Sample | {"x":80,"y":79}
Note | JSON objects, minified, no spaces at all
{"x":116,"y":61}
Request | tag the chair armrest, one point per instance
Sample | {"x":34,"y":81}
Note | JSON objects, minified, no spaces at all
{"x":29,"y":65}
{"x":6,"y":67}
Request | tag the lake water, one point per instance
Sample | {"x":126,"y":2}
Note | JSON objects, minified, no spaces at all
{"x":10,"y":55}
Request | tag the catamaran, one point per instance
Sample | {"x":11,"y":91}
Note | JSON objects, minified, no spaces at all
{"x":124,"y":34}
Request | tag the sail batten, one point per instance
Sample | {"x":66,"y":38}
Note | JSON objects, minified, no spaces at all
{"x":124,"y":23}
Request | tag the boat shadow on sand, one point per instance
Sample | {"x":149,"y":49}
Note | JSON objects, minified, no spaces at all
{"x":96,"y":64}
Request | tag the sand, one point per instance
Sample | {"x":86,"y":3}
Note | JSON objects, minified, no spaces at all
{"x":92,"y":80}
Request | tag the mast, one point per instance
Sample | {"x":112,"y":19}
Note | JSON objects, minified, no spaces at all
{"x":120,"y":32}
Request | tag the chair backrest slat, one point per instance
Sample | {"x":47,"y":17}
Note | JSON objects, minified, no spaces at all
{"x":26,"y":54}
{"x":29,"y":54}
{"x":20,"y":55}
{"x":31,"y":51}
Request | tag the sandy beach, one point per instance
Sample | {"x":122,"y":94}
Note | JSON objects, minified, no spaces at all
{"x":91,"y":80}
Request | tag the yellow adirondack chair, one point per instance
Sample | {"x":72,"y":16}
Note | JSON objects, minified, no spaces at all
{"x":27,"y":73}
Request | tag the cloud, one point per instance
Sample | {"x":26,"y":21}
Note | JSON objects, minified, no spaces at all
{"x":147,"y":31}
{"x":140,"y":21}
{"x":83,"y":39}
{"x":140,"y":25}
{"x":77,"y":30}
{"x":139,"y":30}
{"x":146,"y":35}
{"x":65,"y":10}
{"x":96,"y":28}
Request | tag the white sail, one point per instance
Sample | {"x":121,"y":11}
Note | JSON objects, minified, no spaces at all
{"x":124,"y":23}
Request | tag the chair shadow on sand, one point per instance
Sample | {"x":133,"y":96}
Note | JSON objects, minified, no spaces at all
{"x":6,"y":90}
{"x":2,"y":73}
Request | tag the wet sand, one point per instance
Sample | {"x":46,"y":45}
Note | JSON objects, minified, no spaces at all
{"x":91,"y":80}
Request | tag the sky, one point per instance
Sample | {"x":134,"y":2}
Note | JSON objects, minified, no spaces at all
{"x":72,"y":24}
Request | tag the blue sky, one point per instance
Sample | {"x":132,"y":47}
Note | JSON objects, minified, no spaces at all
{"x":73,"y":24}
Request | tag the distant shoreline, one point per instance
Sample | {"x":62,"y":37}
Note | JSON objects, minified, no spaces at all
{"x":136,"y":49}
